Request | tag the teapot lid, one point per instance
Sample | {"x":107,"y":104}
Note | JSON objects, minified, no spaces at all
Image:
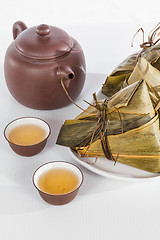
{"x":43,"y":42}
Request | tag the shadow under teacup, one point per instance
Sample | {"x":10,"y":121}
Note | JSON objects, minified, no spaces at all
{"x":27,"y":136}
{"x":58,"y":182}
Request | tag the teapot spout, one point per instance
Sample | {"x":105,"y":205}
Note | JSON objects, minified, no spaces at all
{"x":66,"y":74}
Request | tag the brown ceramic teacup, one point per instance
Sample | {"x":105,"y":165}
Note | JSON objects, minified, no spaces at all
{"x":58,"y":198}
{"x":31,"y":149}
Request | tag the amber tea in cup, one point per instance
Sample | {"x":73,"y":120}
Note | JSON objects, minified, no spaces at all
{"x":58,"y":182}
{"x":27,"y":136}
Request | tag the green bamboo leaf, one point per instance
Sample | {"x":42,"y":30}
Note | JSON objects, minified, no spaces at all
{"x":115,"y":80}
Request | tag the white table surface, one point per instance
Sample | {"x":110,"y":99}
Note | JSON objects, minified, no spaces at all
{"x":104,"y":209}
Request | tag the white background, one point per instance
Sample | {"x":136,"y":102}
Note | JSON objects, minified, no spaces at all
{"x":104,"y":28}
{"x":104,"y":208}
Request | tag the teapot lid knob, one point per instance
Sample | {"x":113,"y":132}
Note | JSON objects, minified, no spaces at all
{"x":43,"y":30}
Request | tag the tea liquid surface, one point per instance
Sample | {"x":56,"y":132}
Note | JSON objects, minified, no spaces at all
{"x":27,"y":134}
{"x":58,"y":181}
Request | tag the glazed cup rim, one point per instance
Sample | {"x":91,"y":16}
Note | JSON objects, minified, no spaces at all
{"x":27,"y":146}
{"x":57,"y":195}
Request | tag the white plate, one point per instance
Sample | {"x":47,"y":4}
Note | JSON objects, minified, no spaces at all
{"x":120,"y":171}
{"x":106,"y":168}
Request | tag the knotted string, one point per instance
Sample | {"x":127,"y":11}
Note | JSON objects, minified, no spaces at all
{"x":101,"y":126}
{"x":100,"y":129}
{"x":152,"y":38}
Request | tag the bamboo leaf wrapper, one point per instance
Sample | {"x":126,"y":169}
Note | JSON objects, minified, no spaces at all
{"x":138,"y":145}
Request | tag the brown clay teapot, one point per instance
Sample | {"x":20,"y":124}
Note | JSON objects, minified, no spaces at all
{"x":38,"y":60}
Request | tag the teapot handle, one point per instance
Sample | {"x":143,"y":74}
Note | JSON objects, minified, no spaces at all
{"x":18,"y":27}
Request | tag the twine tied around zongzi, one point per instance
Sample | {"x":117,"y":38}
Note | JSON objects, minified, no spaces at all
{"x":102,"y":122}
{"x":152,"y":38}
{"x":101,"y":126}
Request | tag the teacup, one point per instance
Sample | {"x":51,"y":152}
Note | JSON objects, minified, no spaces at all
{"x":60,"y":197}
{"x":28,"y":149}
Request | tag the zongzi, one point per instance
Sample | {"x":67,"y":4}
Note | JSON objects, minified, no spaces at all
{"x":150,"y":51}
{"x":125,"y":127}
